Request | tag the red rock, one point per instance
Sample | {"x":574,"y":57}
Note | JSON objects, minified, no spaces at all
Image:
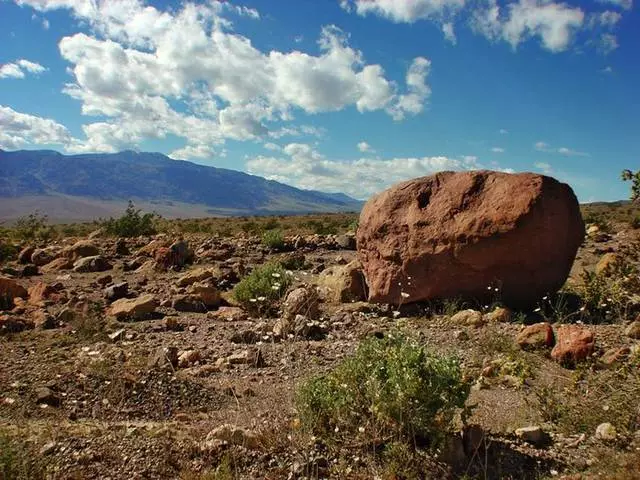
{"x":41,"y":292}
{"x":574,"y":343}
{"x":81,"y":249}
{"x":534,"y":336}
{"x":57,"y":265}
{"x":453,"y":234}
{"x":25,"y":254}
{"x":9,"y":290}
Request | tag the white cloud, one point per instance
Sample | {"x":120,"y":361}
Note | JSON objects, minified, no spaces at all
{"x":365,"y":147}
{"x":20,"y":68}
{"x":544,"y":167}
{"x":502,"y":131}
{"x":404,"y":11}
{"x":189,"y":152}
{"x":449,"y":33}
{"x":497,"y":150}
{"x":272,"y":146}
{"x":625,"y":4}
{"x":152,"y":73}
{"x":306,"y":168}
{"x":607,"y":69}
{"x":18,"y":130}
{"x":567,"y":152}
{"x":553,"y":23}
{"x":608,"y":43}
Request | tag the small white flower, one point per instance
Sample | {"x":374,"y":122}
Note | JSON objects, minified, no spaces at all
{"x":275,"y":275}
{"x":404,"y":294}
{"x":396,"y":314}
{"x":252,"y":300}
{"x":537,"y":309}
{"x":262,"y":299}
{"x":275,"y":287}
{"x":361,"y":429}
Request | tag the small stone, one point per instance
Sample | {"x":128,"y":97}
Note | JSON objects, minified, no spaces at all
{"x":136,"y":308}
{"x":46,"y":396}
{"x":193,"y":276}
{"x":499,"y":315}
{"x":104,"y":280}
{"x":164,"y":357}
{"x":48,"y":448}
{"x":234,"y":435}
{"x":615,"y":356}
{"x":117,"y":335}
{"x":606,"y":432}
{"x":533,"y":435}
{"x":538,"y":335}
{"x":95,"y":263}
{"x":633,"y":330}
{"x":574,"y":344}
{"x":469,"y":317}
{"x":188,"y":358}
{"x":116,"y":291}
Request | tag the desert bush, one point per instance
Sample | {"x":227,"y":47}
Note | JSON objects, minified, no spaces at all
{"x":391,"y":388}
{"x":271,"y":224}
{"x":33,"y":227}
{"x":273,"y":239}
{"x":634,"y":178}
{"x":261,"y":290}
{"x":8,"y":251}
{"x":17,"y":461}
{"x":325,"y":227}
{"x":131,"y":224}
{"x":635,"y":222}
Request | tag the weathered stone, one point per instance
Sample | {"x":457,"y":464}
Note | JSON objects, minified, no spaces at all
{"x":456,"y":233}
{"x":46,"y":396}
{"x":499,"y":315}
{"x":533,"y":435}
{"x":81,"y":249}
{"x":301,"y":301}
{"x":207,"y":294}
{"x":188,"y":358}
{"x":469,"y":317}
{"x":346,"y":241}
{"x":57,"y":265}
{"x":164,"y":357}
{"x":42,"y":256}
{"x":633,"y":330}
{"x":538,"y":335}
{"x":136,"y":308}
{"x":606,"y":432}
{"x":344,"y":283}
{"x":29,"y":271}
{"x":615,"y":356}
{"x":193,"y":276}
{"x":91,"y":264}
{"x":9,"y":290}
{"x":41,"y":292}
{"x":188,"y":303}
{"x":116,"y":291}
{"x":13,"y":324}
{"x":573,"y":344}
{"x":234,"y":435}
{"x":25,"y":254}
{"x":607,"y":263}
{"x":176,"y":256}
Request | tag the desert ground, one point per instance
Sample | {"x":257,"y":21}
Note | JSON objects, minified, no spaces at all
{"x":141,"y":363}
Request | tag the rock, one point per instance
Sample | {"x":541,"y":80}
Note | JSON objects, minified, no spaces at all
{"x":456,"y":233}
{"x":188,"y":358}
{"x":233,"y":435}
{"x":469,"y":317}
{"x":91,"y":264}
{"x":229,"y":314}
{"x":538,"y":335}
{"x":615,"y":356}
{"x":10,"y":290}
{"x":533,"y":435}
{"x":301,"y":301}
{"x":121,"y":247}
{"x":81,"y":249}
{"x":499,"y":315}
{"x":606,"y":432}
{"x":206,"y":294}
{"x":116,"y":291}
{"x":43,"y":320}
{"x":13,"y":324}
{"x":136,"y":308}
{"x":42,"y":256}
{"x":41,"y":292}
{"x":58,"y":265}
{"x":193,"y":276}
{"x":592,"y":230}
{"x":573,"y":344}
{"x":633,"y":330}
{"x":251,"y":357}
{"x":66,"y":315}
{"x":607,"y":264}
{"x":164,"y":357}
{"x":46,"y":396}
{"x":29,"y":271}
{"x":188,"y":303}
{"x":344,"y":283}
{"x":346,"y":241}
{"x":452,"y":451}
{"x":176,"y":256}
{"x":25,"y":254}
{"x":104,"y":280}
{"x":117,"y":335}
{"x":474,"y":439}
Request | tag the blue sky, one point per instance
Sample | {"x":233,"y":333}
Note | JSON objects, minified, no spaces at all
{"x":334,"y":95}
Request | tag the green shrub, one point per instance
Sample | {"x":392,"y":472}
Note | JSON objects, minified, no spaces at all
{"x":16,"y":461}
{"x":131,"y":224}
{"x":260,"y":291}
{"x":634,"y":178}
{"x":327,"y":227}
{"x":271,"y":224}
{"x":391,"y":388}
{"x":8,"y":251}
{"x":33,"y":227}
{"x":273,"y":239}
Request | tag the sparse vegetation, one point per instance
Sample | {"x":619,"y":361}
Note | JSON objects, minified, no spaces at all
{"x":273,"y":239}
{"x":261,"y":290}
{"x":634,"y":178}
{"x":391,"y":388}
{"x":33,"y":227}
{"x":132,"y":224}
{"x":16,"y":460}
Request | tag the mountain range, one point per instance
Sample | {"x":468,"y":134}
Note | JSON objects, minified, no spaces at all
{"x":84,"y":187}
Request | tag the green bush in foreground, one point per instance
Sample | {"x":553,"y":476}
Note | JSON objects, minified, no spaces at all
{"x":273,"y":239}
{"x":260,"y":291}
{"x":391,"y":388}
{"x":131,"y":224}
{"x":16,"y":463}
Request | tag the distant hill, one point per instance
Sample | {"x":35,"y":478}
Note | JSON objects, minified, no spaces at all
{"x":83,"y":187}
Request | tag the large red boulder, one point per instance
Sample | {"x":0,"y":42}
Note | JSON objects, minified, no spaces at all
{"x":456,"y":234}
